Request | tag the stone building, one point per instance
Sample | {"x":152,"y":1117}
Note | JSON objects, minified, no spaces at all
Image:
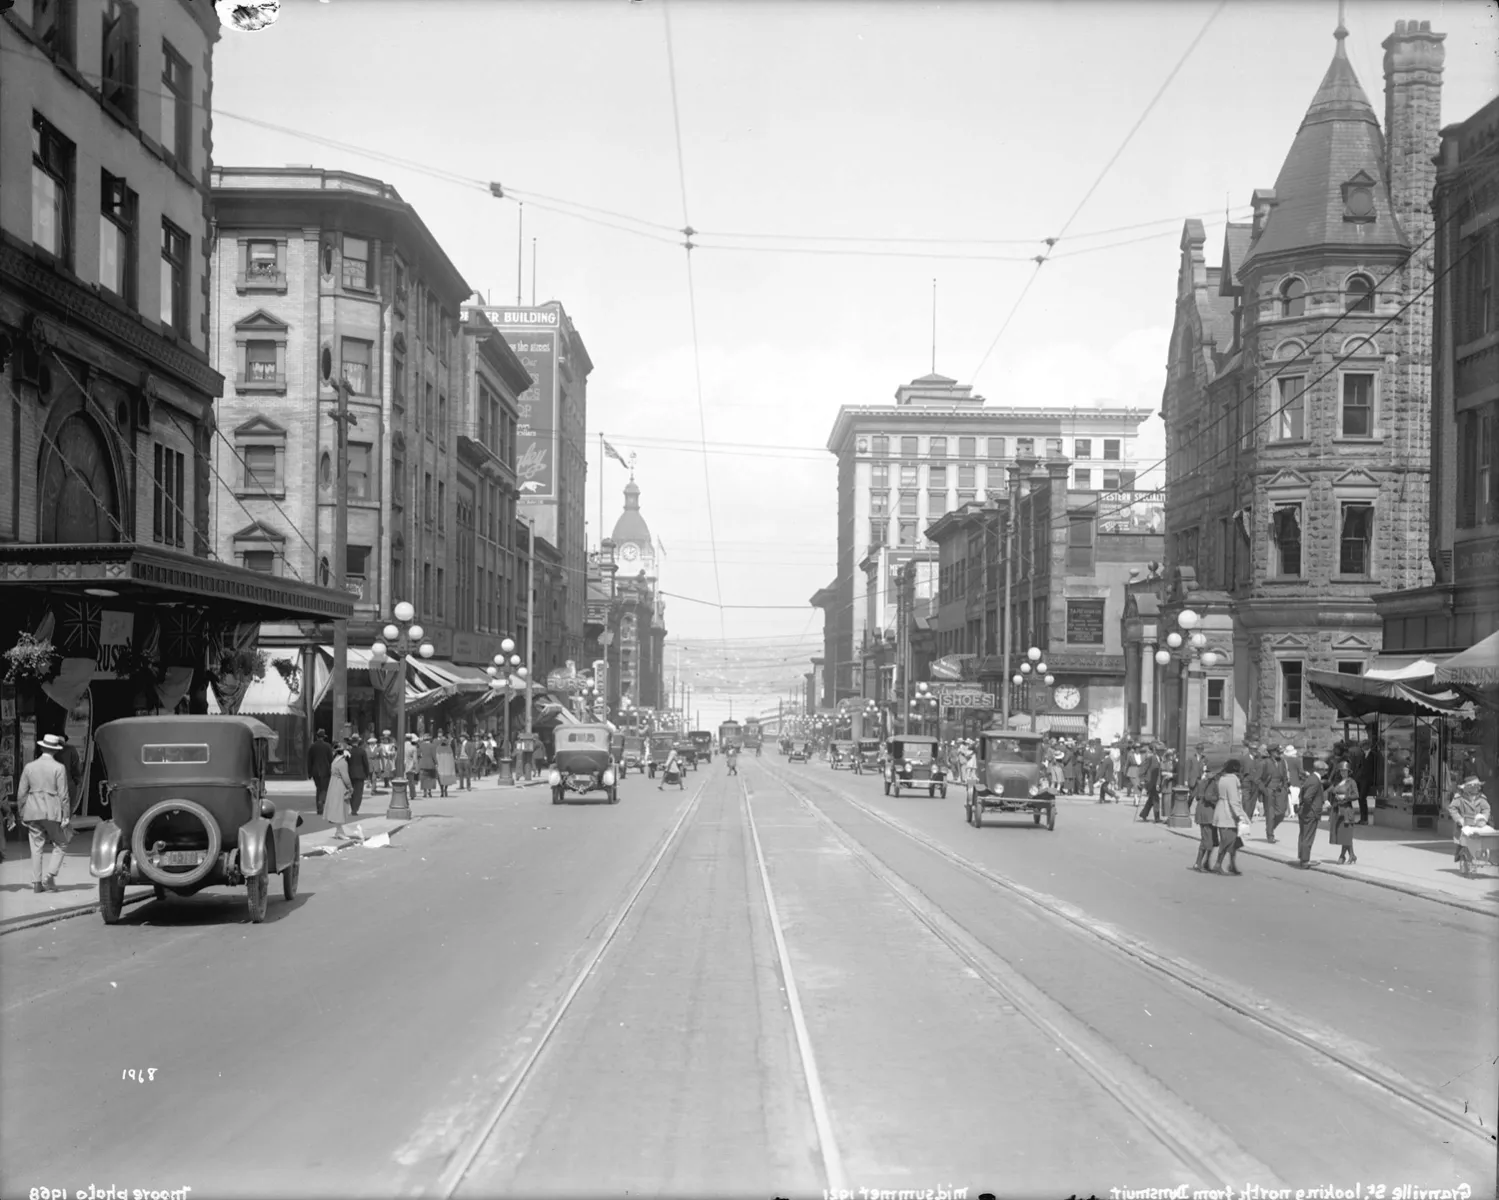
{"x":902,"y":466}
{"x":110,"y":435}
{"x":1296,"y":406}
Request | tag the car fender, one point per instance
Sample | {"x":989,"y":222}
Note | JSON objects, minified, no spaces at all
{"x":104,"y":853}
{"x":253,"y":835}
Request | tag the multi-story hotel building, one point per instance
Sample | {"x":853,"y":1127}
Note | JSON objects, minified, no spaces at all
{"x":902,"y":466}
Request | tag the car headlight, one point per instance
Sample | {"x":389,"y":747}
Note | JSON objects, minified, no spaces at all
{"x":608,"y":778}
{"x":1034,"y":790}
{"x":555,"y":778}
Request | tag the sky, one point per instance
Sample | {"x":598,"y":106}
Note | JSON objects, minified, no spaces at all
{"x":812,"y":146}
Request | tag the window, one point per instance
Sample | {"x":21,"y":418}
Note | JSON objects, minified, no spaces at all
{"x":1285,"y":530}
{"x":260,"y":362}
{"x":996,"y":447}
{"x":51,"y":190}
{"x":1359,"y":296}
{"x":359,"y":471}
{"x":1290,"y":691}
{"x":1053,"y":447}
{"x":1290,"y":409}
{"x":966,"y":497}
{"x":356,"y":263}
{"x":1215,"y":688}
{"x":908,"y":533}
{"x":908,"y":504}
{"x":907,"y":475}
{"x":1082,"y":478}
{"x":1080,"y":544}
{"x":879,"y":445}
{"x":431,"y":328}
{"x":936,"y":476}
{"x":1112,"y":448}
{"x":936,"y":447}
{"x":168,"y":496}
{"x":442,"y":594}
{"x":260,"y":474}
{"x":177,"y":106}
{"x":443,"y":324}
{"x":1293,"y":298}
{"x":879,"y":504}
{"x":1486,"y":500}
{"x":398,"y":481}
{"x":967,"y":476}
{"x":1083,"y":448}
{"x":879,"y":475}
{"x":1111,"y":480}
{"x":427,"y":586}
{"x":442,"y":506}
{"x":118,"y":76}
{"x":1355,"y":538}
{"x":355,"y":356}
{"x":398,"y":387}
{"x":936,"y":504}
{"x":427,"y":497}
{"x":52,"y":23}
{"x":117,"y":209}
{"x":878,"y":531}
{"x":263,"y":561}
{"x":1475,"y":284}
{"x":262,"y":263}
{"x":442,"y":422}
{"x":428,"y":412}
{"x":1025,"y":447}
{"x":173,"y":278}
{"x":1354,"y":666}
{"x":1358,"y":404}
{"x":908,"y":447}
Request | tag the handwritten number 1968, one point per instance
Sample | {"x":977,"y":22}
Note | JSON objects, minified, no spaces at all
{"x":141,"y":1075}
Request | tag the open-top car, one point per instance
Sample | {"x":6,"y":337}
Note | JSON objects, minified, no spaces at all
{"x":841,"y":755}
{"x":583,"y":764}
{"x":913,"y":762}
{"x":867,"y":755}
{"x":659,"y":746}
{"x":686,"y":752}
{"x":1011,"y":778}
{"x":801,"y":750}
{"x":702,"y":742}
{"x":632,"y":756}
{"x":187,"y":796}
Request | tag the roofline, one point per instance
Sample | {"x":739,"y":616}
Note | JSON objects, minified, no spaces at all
{"x":493,"y":347}
{"x":849,"y":412}
{"x":1329,"y":249}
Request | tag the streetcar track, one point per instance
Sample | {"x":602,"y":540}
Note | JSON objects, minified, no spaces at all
{"x":461,"y":1161}
{"x":1193,"y":1139}
{"x":1325,"y":1043}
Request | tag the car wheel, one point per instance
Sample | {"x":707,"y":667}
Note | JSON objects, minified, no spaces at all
{"x":293,"y":874}
{"x":1051,"y":817}
{"x":258,"y":896}
{"x":112,"y":898}
{"x":556,"y":795}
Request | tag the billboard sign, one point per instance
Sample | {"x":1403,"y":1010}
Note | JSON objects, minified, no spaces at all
{"x":533,"y":334}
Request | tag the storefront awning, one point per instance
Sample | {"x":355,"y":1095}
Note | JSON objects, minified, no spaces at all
{"x":463,"y":679}
{"x":1406,"y":668}
{"x":1356,"y":696}
{"x":1477,"y":666}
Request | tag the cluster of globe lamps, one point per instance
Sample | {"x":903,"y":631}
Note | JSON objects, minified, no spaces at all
{"x":412,"y":634}
{"x":1195,"y":640}
{"x":1033,"y":669}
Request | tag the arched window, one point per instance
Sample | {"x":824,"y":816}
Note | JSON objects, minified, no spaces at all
{"x":325,"y":470}
{"x":1292,"y":298}
{"x":1359,"y":295}
{"x":77,"y":499}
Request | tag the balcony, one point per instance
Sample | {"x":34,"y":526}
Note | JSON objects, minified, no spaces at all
{"x":361,"y":587}
{"x":260,"y":377}
{"x":263,"y":276}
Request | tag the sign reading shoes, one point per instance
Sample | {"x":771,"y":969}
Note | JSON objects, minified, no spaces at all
{"x":964,"y":698}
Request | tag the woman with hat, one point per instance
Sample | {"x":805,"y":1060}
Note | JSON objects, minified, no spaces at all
{"x":1309,"y":811}
{"x":340,"y":790}
{"x":1469,"y":807}
{"x":45,"y":800}
{"x":1344,"y":799}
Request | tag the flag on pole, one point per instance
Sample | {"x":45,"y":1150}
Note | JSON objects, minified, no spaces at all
{"x":614,"y":454}
{"x":660,"y":547}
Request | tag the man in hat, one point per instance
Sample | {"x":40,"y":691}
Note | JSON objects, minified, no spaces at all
{"x":1275,"y":788}
{"x":44,"y":798}
{"x":1309,"y":811}
{"x":320,"y":766}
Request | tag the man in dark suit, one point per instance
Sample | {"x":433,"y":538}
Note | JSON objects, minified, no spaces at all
{"x":359,"y":771}
{"x":1150,"y":776}
{"x":320,"y":767}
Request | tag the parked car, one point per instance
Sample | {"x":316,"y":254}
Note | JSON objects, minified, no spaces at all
{"x":801,"y":751}
{"x":913,"y":762}
{"x":187,"y":797}
{"x":1011,"y":778}
{"x":583,"y":764}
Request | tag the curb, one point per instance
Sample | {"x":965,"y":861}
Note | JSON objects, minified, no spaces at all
{"x":1406,"y":889}
{"x":32,"y":920}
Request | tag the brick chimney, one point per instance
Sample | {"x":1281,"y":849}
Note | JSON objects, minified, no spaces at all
{"x":1412,"y":122}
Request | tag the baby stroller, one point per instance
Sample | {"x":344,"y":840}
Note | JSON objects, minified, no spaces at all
{"x":671,"y":777}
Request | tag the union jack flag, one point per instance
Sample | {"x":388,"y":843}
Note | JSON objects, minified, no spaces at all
{"x":184,"y":635}
{"x":79,"y":628}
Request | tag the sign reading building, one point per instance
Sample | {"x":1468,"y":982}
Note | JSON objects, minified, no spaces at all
{"x":533,"y":333}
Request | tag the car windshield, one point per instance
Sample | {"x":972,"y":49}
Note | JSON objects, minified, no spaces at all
{"x":916,"y":750}
{"x":1012,"y":750}
{"x":581,"y":738}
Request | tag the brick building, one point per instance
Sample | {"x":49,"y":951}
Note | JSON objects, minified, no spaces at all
{"x":1296,"y":407}
{"x":902,"y":466}
{"x":110,"y":434}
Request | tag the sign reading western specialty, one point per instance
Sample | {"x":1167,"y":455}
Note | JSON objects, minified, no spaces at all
{"x":532,"y":333}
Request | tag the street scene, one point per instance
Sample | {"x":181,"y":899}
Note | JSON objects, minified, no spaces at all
{"x":941,"y":643}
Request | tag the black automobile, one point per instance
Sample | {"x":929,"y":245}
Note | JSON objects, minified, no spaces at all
{"x":583,"y":764}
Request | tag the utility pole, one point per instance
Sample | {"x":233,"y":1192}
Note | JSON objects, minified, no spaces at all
{"x":342,"y":419}
{"x":1004,"y":627}
{"x":530,"y":617}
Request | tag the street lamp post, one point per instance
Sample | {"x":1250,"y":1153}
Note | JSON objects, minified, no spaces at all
{"x":923,"y":705}
{"x":505,"y":675}
{"x":1191,"y":650}
{"x":402,"y":638}
{"x":1033,"y":673}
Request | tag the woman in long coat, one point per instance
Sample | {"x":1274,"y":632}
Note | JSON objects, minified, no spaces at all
{"x":1228,"y":816}
{"x":340,"y":789}
{"x":1344,"y":800}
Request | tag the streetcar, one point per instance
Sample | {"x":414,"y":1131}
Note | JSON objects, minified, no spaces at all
{"x":730,"y":735}
{"x":753,"y":735}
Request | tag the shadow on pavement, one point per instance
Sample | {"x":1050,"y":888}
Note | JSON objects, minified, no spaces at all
{"x":226,"y":907}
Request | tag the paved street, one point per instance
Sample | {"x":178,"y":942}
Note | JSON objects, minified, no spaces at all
{"x":523,"y":998}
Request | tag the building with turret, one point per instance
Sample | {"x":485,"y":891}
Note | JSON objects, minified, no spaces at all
{"x":1297,"y":414}
{"x":626,"y":618}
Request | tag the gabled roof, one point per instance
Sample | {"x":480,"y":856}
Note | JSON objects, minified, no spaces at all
{"x":1236,"y":239}
{"x":1339,"y":138}
{"x":260,"y":319}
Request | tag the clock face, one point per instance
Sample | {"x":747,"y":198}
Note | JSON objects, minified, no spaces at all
{"x":1068,"y":697}
{"x":629,"y":552}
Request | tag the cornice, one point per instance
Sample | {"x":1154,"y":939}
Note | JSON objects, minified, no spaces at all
{"x":74,"y":307}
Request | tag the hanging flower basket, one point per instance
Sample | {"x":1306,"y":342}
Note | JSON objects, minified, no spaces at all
{"x":140,"y":668}
{"x":290,"y":673}
{"x":31,"y":660}
{"x":243,"y":664}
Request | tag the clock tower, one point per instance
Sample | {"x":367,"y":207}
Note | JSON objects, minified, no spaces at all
{"x":634,"y":548}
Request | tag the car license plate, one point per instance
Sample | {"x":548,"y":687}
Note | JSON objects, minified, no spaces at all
{"x":183,"y":858}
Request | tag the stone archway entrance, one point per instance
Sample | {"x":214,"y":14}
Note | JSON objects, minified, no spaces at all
{"x":78,"y":501}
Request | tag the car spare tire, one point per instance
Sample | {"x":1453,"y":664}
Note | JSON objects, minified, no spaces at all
{"x":212,"y":842}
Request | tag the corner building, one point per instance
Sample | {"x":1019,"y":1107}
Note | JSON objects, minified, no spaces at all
{"x":1297,"y":411}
